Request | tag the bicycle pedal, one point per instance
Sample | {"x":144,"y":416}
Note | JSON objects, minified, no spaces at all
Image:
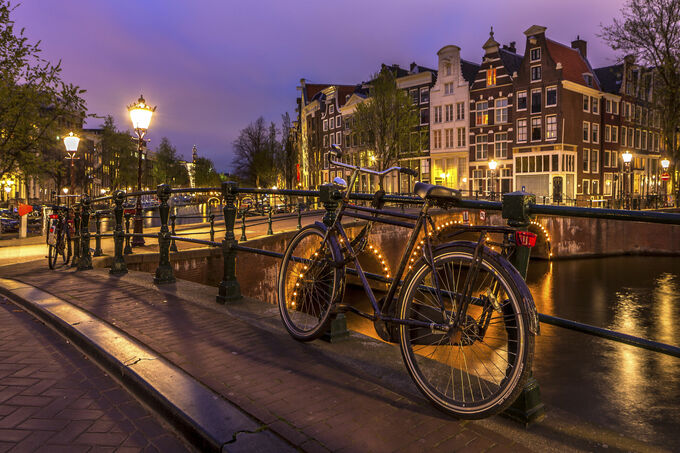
{"x":341,"y":308}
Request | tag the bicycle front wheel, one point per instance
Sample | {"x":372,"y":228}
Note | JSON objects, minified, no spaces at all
{"x":478,"y":367}
{"x":310,"y":282}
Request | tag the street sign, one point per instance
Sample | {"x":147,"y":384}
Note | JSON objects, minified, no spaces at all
{"x":482,"y":215}
{"x":665,"y":176}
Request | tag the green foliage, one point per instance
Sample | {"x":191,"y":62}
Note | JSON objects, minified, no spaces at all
{"x":35,"y":103}
{"x":205,"y":174}
{"x":385,"y":120}
{"x":258,"y":154}
{"x":167,"y":167}
{"x":118,"y":156}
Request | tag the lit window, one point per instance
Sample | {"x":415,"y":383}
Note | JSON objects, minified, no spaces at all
{"x":551,"y":127}
{"x":482,"y":113}
{"x":490,"y":76}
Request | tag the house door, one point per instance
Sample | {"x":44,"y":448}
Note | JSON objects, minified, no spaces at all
{"x":557,"y":189}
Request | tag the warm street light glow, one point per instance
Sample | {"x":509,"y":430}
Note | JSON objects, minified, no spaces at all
{"x":8,"y":189}
{"x":65,"y":189}
{"x":140,"y":114}
{"x":71,"y":142}
{"x":493,"y":165}
{"x":442,"y":175}
{"x":627,"y":157}
{"x":665,"y":163}
{"x":274,"y":187}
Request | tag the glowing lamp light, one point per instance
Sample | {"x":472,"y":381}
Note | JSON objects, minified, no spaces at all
{"x":140,"y":114}
{"x":493,"y":165}
{"x":665,"y":163}
{"x":627,"y":157}
{"x":65,"y":189}
{"x":71,"y":142}
{"x":8,"y":189}
{"x":442,"y":175}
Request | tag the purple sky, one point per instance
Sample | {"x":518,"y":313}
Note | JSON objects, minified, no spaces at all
{"x":213,"y":66}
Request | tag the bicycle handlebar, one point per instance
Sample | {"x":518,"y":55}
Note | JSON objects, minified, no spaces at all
{"x":337,"y":152}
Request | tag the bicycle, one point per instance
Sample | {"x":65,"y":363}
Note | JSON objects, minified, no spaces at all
{"x":464,"y":317}
{"x":59,"y":238}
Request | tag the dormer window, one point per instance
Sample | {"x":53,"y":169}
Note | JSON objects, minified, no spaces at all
{"x":447,"y":68}
{"x":535,"y":54}
{"x":588,"y":79}
{"x":331,"y":108}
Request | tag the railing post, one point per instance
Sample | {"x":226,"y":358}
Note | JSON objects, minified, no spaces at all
{"x":299,"y":216}
{"x":98,"y":236}
{"x":229,"y":289}
{"x":329,"y":196}
{"x":76,"y":236}
{"x":128,"y":246}
{"x":173,"y":245}
{"x":269,"y":222}
{"x":212,"y":227}
{"x":164,"y":269}
{"x":528,"y":408}
{"x":85,"y":261}
{"x":243,"y":225}
{"x":118,"y":267}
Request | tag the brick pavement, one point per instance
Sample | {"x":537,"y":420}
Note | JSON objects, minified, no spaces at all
{"x":53,"y":399}
{"x":286,"y":385}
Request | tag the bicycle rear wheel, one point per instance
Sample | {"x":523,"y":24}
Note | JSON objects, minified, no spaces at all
{"x":479,"y":367}
{"x":310,"y":283}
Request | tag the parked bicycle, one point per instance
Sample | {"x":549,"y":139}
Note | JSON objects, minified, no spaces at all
{"x":463,"y":316}
{"x":59,"y":238}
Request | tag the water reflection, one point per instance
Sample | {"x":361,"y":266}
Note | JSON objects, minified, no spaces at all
{"x":625,"y":388}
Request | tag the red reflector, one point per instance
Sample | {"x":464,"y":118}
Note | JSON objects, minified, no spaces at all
{"x":525,"y":238}
{"x":54,"y":216}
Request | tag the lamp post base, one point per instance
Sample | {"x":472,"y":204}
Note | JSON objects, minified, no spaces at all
{"x":138,"y":241}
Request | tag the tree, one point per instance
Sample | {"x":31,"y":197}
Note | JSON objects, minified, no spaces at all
{"x":205,"y":174}
{"x":650,"y":31}
{"x":167,"y":168}
{"x":288,"y":155}
{"x":34,"y":101}
{"x":385,"y":120}
{"x":257,"y":150}
{"x":118,"y":156}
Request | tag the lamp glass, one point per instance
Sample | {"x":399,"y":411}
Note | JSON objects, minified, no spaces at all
{"x":665,"y":163}
{"x":140,"y":114}
{"x":627,"y":157}
{"x":493,"y":165}
{"x":71,"y":142}
{"x":65,"y":189}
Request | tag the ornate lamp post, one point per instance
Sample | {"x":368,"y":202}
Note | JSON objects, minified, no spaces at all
{"x":665,"y":163}
{"x":71,"y":143}
{"x":492,"y":167}
{"x":140,"y":114}
{"x":627,"y":158}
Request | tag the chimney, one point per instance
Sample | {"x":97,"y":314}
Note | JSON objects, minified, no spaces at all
{"x":581,"y":46}
{"x":512,"y":47}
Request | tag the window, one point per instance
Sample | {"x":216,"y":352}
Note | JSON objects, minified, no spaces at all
{"x":331,"y":108}
{"x":521,"y":100}
{"x":596,"y":133}
{"x":586,"y":103}
{"x":338,"y":122}
{"x":482,"y":113}
{"x":449,"y":138}
{"x":460,"y":111}
{"x":586,"y":131}
{"x":644,"y":139}
{"x":501,"y":146}
{"x":615,"y":134}
{"x":596,"y":186}
{"x":607,"y":133}
{"x":424,"y":116}
{"x":331,"y":123}
{"x":481,"y":141}
{"x":595,"y":103}
{"x":413,"y":92}
{"x":436,"y":139}
{"x":448,"y":88}
{"x":586,"y":160}
{"x":608,"y":183}
{"x":615,"y":159}
{"x":594,"y":161}
{"x":615,"y":109}
{"x":338,"y":139}
{"x":624,"y":136}
{"x":461,"y":136}
{"x":588,"y":78}
{"x":501,"y":111}
{"x":325,"y":142}
{"x":491,"y":77}
{"x":535,"y":73}
{"x":638,"y":137}
{"x":522,"y":130}
{"x":536,"y":129}
{"x":551,"y":127}
{"x":325,"y":125}
{"x":447,"y":69}
{"x":607,"y":158}
{"x":437,"y":113}
{"x":550,"y":96}
{"x":449,"y":112}
{"x":536,"y":101}
{"x":535,"y":54}
{"x":631,"y":132}
{"x":424,"y":95}
{"x":608,"y":106}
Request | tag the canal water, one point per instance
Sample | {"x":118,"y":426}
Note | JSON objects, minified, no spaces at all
{"x":627,"y":389}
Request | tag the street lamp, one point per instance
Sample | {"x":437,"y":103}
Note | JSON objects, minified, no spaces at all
{"x":140,"y":114}
{"x":71,"y":144}
{"x":627,"y":158}
{"x":492,"y":167}
{"x":665,"y":163}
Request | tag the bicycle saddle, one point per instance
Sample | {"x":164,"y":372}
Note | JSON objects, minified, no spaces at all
{"x":430,"y":191}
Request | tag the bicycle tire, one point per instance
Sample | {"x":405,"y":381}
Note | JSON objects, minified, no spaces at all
{"x":67,"y":245}
{"x":51,"y":256}
{"x":306,"y":303}
{"x":502,"y":353}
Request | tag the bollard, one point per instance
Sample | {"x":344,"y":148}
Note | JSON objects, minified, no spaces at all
{"x":212,"y":227}
{"x":243,"y":225}
{"x":229,"y":289}
{"x":269,"y":223}
{"x":528,"y":408}
{"x":76,"y":236}
{"x":164,"y":270}
{"x":118,"y":267}
{"x":85,"y":262}
{"x":98,"y":238}
{"x":173,"y":245}
{"x":299,"y":225}
{"x":128,"y":246}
